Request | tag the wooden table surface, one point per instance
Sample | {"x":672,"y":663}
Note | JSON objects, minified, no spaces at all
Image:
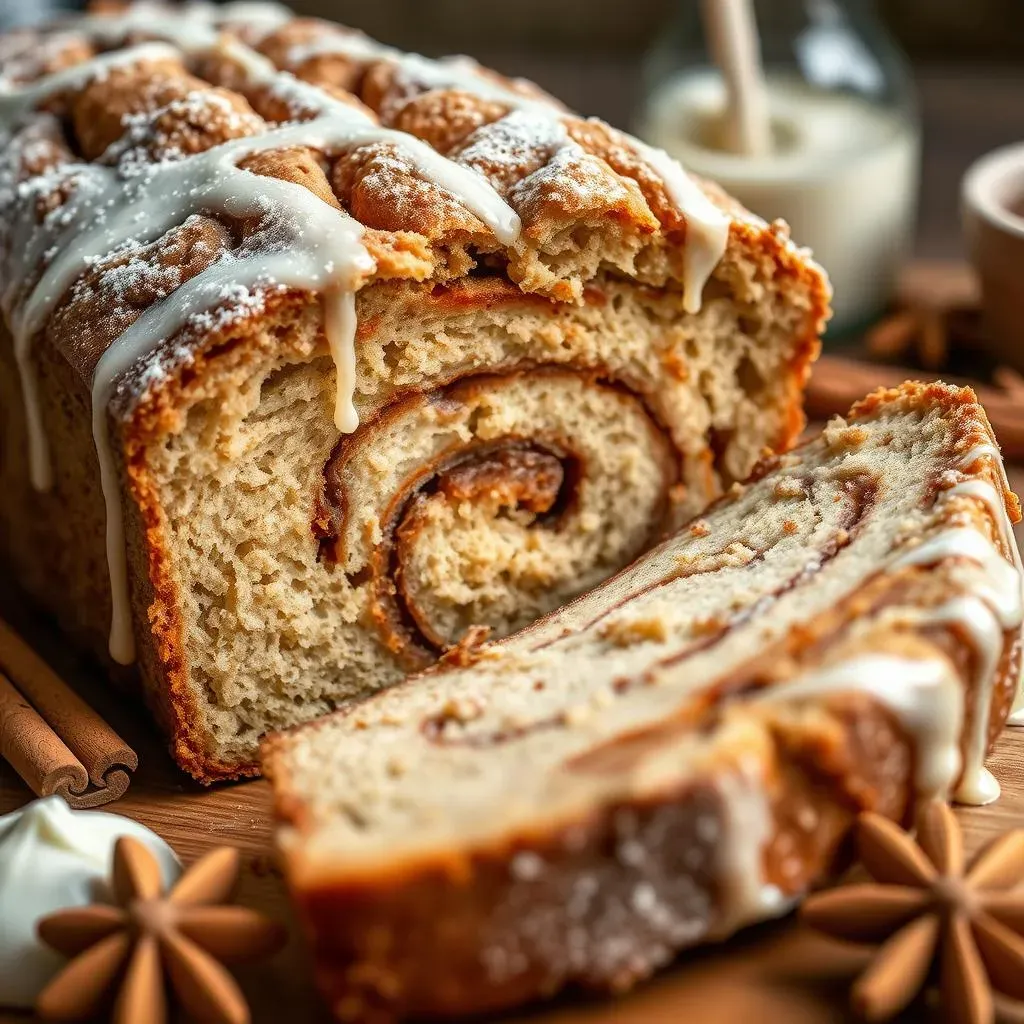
{"x":757,"y":975}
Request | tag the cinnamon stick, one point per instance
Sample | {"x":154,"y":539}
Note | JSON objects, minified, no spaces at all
{"x":891,"y":337}
{"x":34,"y":750}
{"x":836,"y":383}
{"x":54,"y":740}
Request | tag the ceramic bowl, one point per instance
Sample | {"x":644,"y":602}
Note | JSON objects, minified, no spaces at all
{"x":993,"y":215}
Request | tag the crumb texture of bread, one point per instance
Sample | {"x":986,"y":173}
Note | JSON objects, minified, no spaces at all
{"x":538,"y":365}
{"x":681,"y":751}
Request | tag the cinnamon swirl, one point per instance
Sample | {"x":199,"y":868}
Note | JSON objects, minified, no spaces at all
{"x":318,"y":356}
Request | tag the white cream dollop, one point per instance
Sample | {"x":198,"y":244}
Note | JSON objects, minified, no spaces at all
{"x":52,"y":857}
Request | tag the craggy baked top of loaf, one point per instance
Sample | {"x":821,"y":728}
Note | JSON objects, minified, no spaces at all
{"x":473,"y":171}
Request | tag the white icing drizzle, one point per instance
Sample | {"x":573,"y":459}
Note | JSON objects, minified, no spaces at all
{"x":977,"y":785}
{"x":316,"y":247}
{"x":747,"y":828}
{"x":707,"y":226}
{"x":927,"y":699}
{"x":311,"y":245}
{"x":16,"y":101}
{"x":925,"y":696}
{"x":1017,"y":711}
{"x":984,"y":789}
{"x":998,"y":507}
{"x":993,"y":606}
{"x":998,"y":581}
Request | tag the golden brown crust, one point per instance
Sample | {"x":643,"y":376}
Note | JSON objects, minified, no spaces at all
{"x":102,"y":111}
{"x":377,"y":951}
{"x":406,"y":972}
{"x":25,"y":56}
{"x":161,"y":411}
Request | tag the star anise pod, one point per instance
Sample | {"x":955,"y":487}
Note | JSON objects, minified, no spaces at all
{"x":128,"y":947}
{"x":933,"y":917}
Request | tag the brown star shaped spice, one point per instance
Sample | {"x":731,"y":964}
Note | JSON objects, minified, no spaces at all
{"x":123,"y":951}
{"x":933,"y":918}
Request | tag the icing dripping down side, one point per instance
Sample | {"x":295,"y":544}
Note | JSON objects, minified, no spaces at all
{"x":1017,"y":713}
{"x":992,"y":607}
{"x":926,"y":697}
{"x":14,"y":104}
{"x":308,"y":244}
{"x":973,"y":616}
{"x":747,"y":828}
{"x":315,"y":248}
{"x":296,"y":268}
{"x":707,"y":227}
{"x":1009,"y":540}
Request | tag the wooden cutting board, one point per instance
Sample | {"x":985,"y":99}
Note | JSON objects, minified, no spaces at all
{"x":760,"y":975}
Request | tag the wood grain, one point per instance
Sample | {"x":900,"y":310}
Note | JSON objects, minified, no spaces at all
{"x":763,"y":970}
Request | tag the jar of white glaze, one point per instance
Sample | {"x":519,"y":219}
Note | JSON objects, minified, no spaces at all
{"x":843,"y":165}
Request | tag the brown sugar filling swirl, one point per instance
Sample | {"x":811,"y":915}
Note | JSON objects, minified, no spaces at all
{"x":856,"y":497}
{"x":509,"y":495}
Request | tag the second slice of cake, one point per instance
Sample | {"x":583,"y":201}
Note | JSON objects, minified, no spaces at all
{"x":681,"y":751}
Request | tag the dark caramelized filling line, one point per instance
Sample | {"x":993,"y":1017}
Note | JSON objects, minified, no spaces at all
{"x":539,"y":478}
{"x":536,"y":480}
{"x":861,"y":493}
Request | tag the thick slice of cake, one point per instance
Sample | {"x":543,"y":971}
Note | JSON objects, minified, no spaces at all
{"x":680,"y":751}
{"x":317,"y":354}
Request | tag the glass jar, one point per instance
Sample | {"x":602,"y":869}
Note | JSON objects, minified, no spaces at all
{"x":843,"y":166}
{"x":21,"y":13}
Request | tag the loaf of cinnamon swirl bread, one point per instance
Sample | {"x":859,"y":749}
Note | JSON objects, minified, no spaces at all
{"x":317,"y":355}
{"x":680,"y":751}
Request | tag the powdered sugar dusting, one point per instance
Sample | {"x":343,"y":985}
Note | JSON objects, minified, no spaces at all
{"x":145,"y":141}
{"x":151,"y":181}
{"x":608,"y":917}
{"x":573,"y":178}
{"x":162,"y":170}
{"x":234,"y":304}
{"x":506,"y":146}
{"x":515,"y":146}
{"x":25,"y":54}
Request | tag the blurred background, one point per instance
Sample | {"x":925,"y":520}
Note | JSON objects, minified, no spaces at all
{"x":957,"y":29}
{"x":928,"y":29}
